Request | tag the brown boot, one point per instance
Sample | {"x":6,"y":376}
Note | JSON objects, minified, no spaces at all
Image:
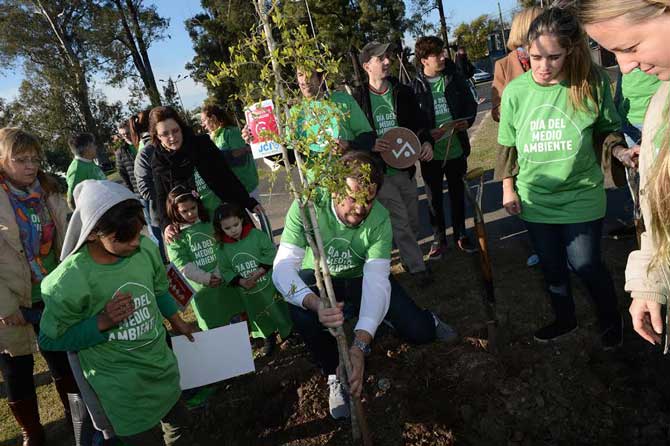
{"x":66,"y":385}
{"x":28,"y":417}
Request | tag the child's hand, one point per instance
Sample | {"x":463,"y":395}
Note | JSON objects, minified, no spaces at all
{"x":171,"y":233}
{"x":181,"y":327}
{"x":257,"y":274}
{"x":118,"y":309}
{"x":248,"y":283}
{"x":214,"y":281}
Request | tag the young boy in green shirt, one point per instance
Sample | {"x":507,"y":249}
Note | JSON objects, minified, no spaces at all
{"x":82,"y":167}
{"x":107,"y":300}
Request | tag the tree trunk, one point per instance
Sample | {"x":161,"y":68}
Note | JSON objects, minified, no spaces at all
{"x":81,"y":90}
{"x":135,"y":43}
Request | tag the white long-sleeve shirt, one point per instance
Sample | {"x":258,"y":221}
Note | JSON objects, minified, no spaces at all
{"x":375,"y":293}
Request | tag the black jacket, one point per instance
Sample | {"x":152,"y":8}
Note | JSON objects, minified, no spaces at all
{"x":198,"y":152}
{"x":464,"y":64}
{"x":459,"y":98}
{"x":125,"y":165}
{"x":405,"y":106}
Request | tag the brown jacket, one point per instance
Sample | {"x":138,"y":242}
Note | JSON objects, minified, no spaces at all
{"x":506,"y":69}
{"x":15,"y":284}
{"x":640,"y":282}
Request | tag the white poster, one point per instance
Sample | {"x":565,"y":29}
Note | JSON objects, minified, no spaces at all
{"x":261,"y":122}
{"x":216,"y":355}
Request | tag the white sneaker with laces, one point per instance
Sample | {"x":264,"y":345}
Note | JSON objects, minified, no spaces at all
{"x":338,"y":399}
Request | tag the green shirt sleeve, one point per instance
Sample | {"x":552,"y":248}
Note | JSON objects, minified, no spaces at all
{"x":233,"y":138}
{"x":294,"y":233}
{"x":80,"y":336}
{"x":179,"y":252}
{"x":609,"y":119}
{"x":67,"y":300}
{"x":266,"y":249}
{"x":356,"y":122}
{"x":380,"y":242}
{"x":160,"y":275}
{"x":225,"y":265}
{"x":166,"y":305}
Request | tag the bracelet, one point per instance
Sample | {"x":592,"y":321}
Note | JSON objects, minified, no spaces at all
{"x":362,"y":346}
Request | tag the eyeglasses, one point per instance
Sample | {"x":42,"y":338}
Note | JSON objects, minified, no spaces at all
{"x":25,"y":160}
{"x":174,"y":132}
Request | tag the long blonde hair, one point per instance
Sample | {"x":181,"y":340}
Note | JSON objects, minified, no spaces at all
{"x":518,"y":33}
{"x":658,"y":182}
{"x":580,"y":71}
{"x":13,"y":142}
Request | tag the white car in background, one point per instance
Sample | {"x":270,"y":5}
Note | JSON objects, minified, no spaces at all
{"x":481,"y":76}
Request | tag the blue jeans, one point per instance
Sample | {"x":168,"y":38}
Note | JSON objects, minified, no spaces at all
{"x":411,"y":322}
{"x":574,"y":247}
{"x":154,"y":231}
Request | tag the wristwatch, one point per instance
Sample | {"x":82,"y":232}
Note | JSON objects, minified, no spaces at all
{"x":362,"y":346}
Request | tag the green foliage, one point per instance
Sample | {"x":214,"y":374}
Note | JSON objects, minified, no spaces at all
{"x":304,"y":122}
{"x":474,"y":36}
{"x":170,"y":95}
{"x":220,"y":27}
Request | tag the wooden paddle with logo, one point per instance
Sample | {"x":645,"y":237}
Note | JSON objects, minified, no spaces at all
{"x":405,"y":148}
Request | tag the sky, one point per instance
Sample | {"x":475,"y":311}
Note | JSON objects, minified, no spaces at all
{"x":169,"y":56}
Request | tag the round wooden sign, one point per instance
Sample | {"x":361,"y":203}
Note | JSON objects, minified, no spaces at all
{"x":405,"y":148}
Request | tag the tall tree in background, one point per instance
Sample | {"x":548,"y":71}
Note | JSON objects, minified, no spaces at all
{"x":474,"y":36}
{"x":124,"y":31}
{"x":53,"y":35}
{"x":213,"y":32}
{"x":170,"y":94}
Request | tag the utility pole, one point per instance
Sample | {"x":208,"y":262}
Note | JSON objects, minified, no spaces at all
{"x":502,"y":28}
{"x":443,"y":25}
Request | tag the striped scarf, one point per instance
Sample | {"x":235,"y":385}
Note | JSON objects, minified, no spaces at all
{"x":37,"y":240}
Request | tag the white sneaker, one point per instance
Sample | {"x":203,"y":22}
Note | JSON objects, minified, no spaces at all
{"x":338,"y":399}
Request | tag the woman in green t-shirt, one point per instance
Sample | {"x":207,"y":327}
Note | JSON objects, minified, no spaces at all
{"x":551,"y":119}
{"x":636,"y":31}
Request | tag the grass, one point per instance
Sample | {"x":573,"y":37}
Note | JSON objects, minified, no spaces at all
{"x":484,"y":144}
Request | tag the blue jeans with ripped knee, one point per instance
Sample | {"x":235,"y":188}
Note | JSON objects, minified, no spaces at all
{"x":574,"y":247}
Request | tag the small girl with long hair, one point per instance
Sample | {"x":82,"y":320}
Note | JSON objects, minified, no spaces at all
{"x":194,"y":254}
{"x":245,"y":259}
{"x":558,"y":191}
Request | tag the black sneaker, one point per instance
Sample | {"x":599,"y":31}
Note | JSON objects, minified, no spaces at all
{"x":269,"y":345}
{"x":612,"y":337}
{"x":465,"y":245}
{"x":554,"y":332}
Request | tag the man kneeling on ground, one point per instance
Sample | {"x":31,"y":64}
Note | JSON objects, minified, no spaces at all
{"x":357,"y":238}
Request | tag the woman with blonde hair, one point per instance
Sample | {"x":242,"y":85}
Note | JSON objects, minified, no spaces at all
{"x":515,"y":63}
{"x":636,"y":31}
{"x":33,"y":218}
{"x":552,"y":119}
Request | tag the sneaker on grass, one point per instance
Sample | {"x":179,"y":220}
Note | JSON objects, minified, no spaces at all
{"x":338,"y":399}
{"x":555,"y":331}
{"x":465,"y":245}
{"x":437,"y":249}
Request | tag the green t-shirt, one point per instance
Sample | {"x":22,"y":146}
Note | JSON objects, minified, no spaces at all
{"x":347,"y":248}
{"x":267,"y":311}
{"x":210,"y":200}
{"x":560,"y":180}
{"x":442,"y":115}
{"x":134,"y":373}
{"x":79,"y":171}
{"x":213,"y":307}
{"x":313,"y":115}
{"x":637,"y":89}
{"x":49,"y":261}
{"x":384,"y":116}
{"x":229,"y":138}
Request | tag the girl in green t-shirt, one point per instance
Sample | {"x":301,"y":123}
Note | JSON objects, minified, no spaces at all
{"x":194,"y":255}
{"x":551,"y":118}
{"x":245,"y":257}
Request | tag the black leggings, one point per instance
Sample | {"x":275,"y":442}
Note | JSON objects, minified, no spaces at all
{"x":17,"y":371}
{"x":433,"y":174}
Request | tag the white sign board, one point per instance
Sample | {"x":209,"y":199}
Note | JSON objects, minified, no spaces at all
{"x":216,"y":355}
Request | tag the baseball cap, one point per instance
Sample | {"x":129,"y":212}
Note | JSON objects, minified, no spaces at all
{"x":373,"y":49}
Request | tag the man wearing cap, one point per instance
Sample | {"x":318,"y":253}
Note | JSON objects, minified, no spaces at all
{"x":445,"y":99}
{"x":387,"y":104}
